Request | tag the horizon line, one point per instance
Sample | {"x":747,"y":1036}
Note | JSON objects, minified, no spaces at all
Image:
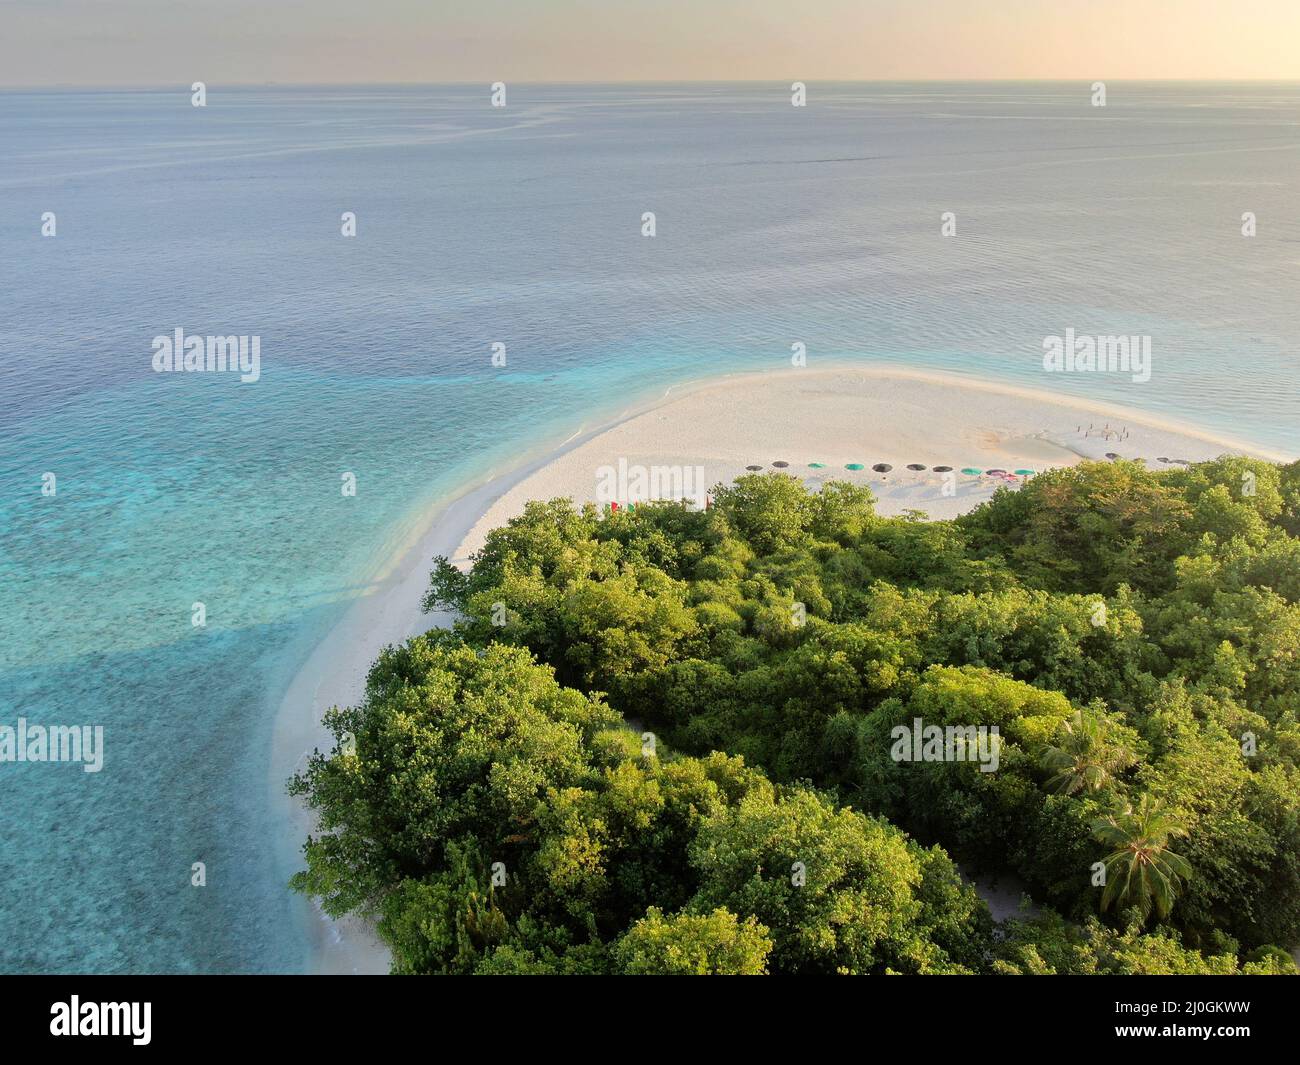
{"x":661,"y":82}
{"x":1088,"y":79}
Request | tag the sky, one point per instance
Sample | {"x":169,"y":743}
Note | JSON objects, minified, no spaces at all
{"x":171,"y":42}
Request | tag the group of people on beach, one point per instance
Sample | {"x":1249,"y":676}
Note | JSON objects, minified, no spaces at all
{"x":1105,"y":430}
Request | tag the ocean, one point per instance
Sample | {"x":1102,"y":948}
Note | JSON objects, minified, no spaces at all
{"x":519,"y":226}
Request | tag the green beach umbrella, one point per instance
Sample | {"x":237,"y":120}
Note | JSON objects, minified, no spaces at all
{"x":971,"y":471}
{"x":1024,"y":473}
{"x":816,"y":465}
{"x":854,"y":466}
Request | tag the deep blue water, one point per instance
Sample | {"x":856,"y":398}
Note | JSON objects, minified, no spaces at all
{"x":519,"y":225}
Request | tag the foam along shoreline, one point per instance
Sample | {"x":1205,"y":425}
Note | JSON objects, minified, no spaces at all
{"x":334,"y":674}
{"x":835,"y":417}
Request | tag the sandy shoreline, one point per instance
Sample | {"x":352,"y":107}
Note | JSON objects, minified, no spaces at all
{"x":862,"y":416}
{"x":834,"y":417}
{"x":334,"y":674}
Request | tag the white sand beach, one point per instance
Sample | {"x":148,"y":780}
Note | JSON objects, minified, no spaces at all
{"x":863,"y":416}
{"x":798,"y":416}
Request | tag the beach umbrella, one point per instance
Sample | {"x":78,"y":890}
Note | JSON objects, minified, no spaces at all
{"x":1024,"y":473}
{"x":882,"y":467}
{"x":1182,"y":462}
{"x":754,"y":469}
{"x":971,"y":471}
{"x":1162,"y":458}
{"x":1111,"y":455}
{"x":780,"y":465}
{"x":854,"y":466}
{"x":915,"y":466}
{"x":816,"y":465}
{"x":996,"y":473}
{"x":943,"y":469}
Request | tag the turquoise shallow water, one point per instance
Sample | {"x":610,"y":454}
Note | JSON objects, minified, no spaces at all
{"x":522,"y":226}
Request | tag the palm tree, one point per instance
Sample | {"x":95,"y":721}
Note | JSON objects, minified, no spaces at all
{"x":1142,"y":872}
{"x":1086,"y":759}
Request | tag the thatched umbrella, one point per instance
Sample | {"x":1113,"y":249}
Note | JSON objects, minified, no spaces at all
{"x":882,"y":467}
{"x":754,"y":469}
{"x":780,"y":465}
{"x":915,"y":466}
{"x":1111,"y":455}
{"x":943,"y":469}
